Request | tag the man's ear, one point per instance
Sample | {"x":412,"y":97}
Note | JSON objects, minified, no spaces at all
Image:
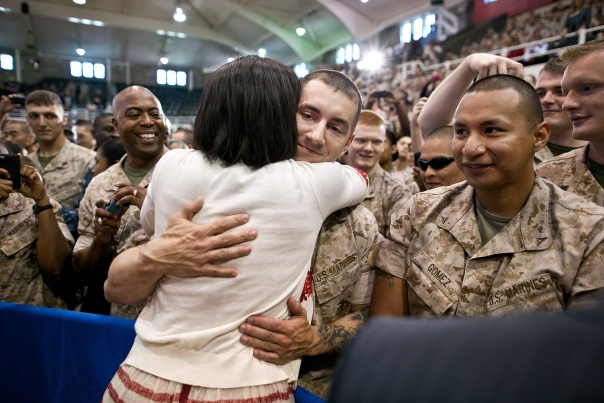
{"x":65,"y":118}
{"x":541,"y":135}
{"x":348,"y":143}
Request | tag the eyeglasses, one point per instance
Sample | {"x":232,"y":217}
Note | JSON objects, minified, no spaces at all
{"x":436,"y":163}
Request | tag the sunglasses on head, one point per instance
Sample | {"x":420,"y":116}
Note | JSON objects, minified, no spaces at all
{"x":436,"y":163}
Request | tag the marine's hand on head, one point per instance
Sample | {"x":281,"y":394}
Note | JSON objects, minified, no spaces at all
{"x":485,"y":64}
{"x":6,"y":103}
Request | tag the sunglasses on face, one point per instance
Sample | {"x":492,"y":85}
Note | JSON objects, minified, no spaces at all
{"x":436,"y":163}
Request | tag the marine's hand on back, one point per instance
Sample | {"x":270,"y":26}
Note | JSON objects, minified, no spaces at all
{"x":485,"y":64}
{"x":186,"y":249}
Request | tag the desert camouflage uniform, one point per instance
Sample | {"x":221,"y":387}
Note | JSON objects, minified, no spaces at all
{"x":21,"y":280}
{"x":130,"y":233}
{"x":569,"y":172}
{"x":385,"y":196}
{"x":407,"y":179}
{"x":65,"y":173}
{"x":548,"y":257}
{"x":545,"y":154}
{"x":342,"y":277}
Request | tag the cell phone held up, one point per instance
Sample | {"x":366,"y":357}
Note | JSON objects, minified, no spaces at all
{"x":380,"y":94}
{"x":113,"y":208}
{"x":12,"y":164}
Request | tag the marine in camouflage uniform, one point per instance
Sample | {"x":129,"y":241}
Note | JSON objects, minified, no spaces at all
{"x":130,"y":233}
{"x":407,"y":178}
{"x":545,"y":154}
{"x":342,"y":277}
{"x":547,"y":258}
{"x":569,"y":171}
{"x":64,"y":175}
{"x":21,"y":280}
{"x":385,"y":196}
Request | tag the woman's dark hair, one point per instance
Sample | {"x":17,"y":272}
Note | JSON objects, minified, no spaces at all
{"x":113,"y":150}
{"x":247,"y":113}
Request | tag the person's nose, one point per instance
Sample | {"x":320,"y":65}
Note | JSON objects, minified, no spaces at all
{"x":316,"y":133}
{"x":474,"y":146}
{"x":571,"y":102}
{"x":547,"y":99}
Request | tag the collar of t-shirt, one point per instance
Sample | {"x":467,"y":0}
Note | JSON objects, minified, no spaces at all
{"x":557,"y":149}
{"x":597,"y":170}
{"x":135,"y":175}
{"x":489,"y":224}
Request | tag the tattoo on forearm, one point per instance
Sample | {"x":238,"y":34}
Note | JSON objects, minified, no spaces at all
{"x":380,"y":276}
{"x":336,"y":337}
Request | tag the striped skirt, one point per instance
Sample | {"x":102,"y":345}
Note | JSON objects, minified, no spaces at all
{"x":131,"y":385}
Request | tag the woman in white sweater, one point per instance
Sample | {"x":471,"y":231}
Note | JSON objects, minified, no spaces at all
{"x":187,"y":336}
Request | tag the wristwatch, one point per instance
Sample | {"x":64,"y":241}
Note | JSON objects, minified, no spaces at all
{"x":37,"y":209}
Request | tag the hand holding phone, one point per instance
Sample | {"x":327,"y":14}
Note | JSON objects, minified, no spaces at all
{"x":12,"y":164}
{"x":113,"y":208}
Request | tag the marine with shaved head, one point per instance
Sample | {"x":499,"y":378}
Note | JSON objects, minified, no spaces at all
{"x":139,"y":119}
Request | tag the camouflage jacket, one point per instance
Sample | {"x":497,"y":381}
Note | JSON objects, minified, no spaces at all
{"x":569,"y":172}
{"x":549,"y":256}
{"x":21,"y":280}
{"x":129,"y":235}
{"x":545,"y":154}
{"x":64,"y":175}
{"x":407,"y":179}
{"x":385,"y":196}
{"x":342,"y":277}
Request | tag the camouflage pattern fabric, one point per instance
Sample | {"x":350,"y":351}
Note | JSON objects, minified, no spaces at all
{"x":129,"y":235}
{"x":569,"y":172}
{"x":385,"y":196}
{"x":548,"y":257}
{"x":545,"y":154}
{"x":407,"y":179}
{"x":64,"y":175}
{"x":21,"y":280}
{"x":342,"y":277}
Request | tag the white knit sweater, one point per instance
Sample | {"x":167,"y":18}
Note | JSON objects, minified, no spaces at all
{"x":188,"y":332}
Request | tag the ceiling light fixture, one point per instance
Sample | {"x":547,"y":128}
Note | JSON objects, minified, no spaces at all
{"x":164,"y":60}
{"x":261,"y":52}
{"x":364,"y":1}
{"x":230,"y":59}
{"x":80,"y":51}
{"x":181,"y":35}
{"x":300,"y":31}
{"x":179,"y":15}
{"x":79,"y":1}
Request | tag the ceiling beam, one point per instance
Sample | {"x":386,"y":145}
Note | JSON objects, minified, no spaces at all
{"x":110,"y":19}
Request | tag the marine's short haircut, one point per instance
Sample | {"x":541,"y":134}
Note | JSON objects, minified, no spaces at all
{"x":99,"y":117}
{"x":247,"y":113}
{"x":529,"y":103}
{"x":43,"y":98}
{"x":340,"y":83}
{"x":443,"y":132}
{"x":370,"y":118}
{"x":22,"y":125}
{"x":391,"y":136}
{"x":84,"y":123}
{"x":113,"y":150}
{"x":555,"y":66}
{"x":573,"y":53}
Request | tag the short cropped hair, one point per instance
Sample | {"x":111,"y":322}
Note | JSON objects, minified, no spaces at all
{"x":43,"y":98}
{"x":443,"y":132}
{"x":391,"y":136}
{"x":370,"y":118}
{"x":555,"y":66}
{"x":22,"y":125}
{"x":113,"y":149}
{"x":99,"y":117}
{"x":529,"y":102}
{"x":84,"y":123}
{"x":188,"y":137}
{"x":573,"y":53}
{"x":247,"y":113}
{"x":340,"y":83}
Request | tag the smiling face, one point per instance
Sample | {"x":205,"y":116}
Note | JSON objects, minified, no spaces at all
{"x":549,"y":89}
{"x":325,"y":121}
{"x":583,"y":83}
{"x":367,"y":147}
{"x":140,"y":121}
{"x":434,"y":178}
{"x":493,"y":142}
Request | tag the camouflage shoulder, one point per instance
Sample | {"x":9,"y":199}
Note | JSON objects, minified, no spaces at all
{"x":571,"y":201}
